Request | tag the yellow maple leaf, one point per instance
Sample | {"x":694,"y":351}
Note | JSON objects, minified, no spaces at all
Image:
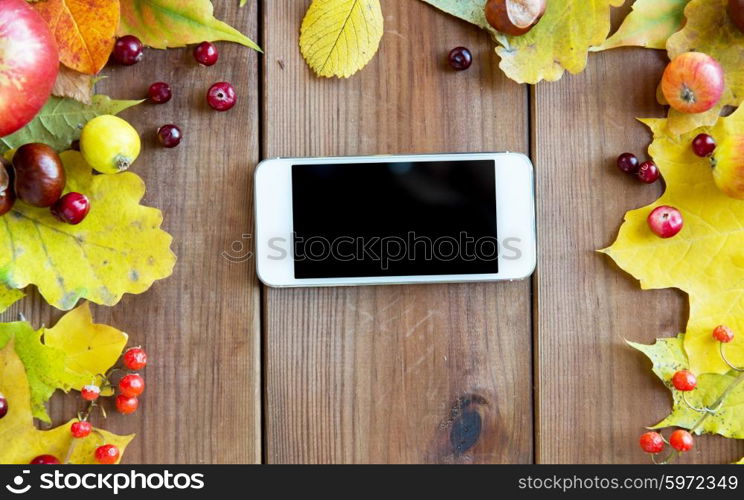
{"x":119,"y":248}
{"x":90,"y":349}
{"x":339,"y":37}
{"x":705,"y":259}
{"x":649,"y":25}
{"x":22,"y":442}
{"x":709,"y":29}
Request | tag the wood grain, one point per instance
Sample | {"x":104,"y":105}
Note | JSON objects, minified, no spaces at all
{"x":395,"y":374}
{"x":595,"y":394}
{"x":200,"y":326}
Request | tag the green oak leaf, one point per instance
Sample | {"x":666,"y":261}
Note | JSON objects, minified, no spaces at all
{"x":59,"y":122}
{"x":649,"y":25}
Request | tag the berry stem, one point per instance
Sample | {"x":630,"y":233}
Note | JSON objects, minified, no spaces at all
{"x":725,"y":359}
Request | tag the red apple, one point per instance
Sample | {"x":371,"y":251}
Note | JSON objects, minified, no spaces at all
{"x":693,"y":82}
{"x":29,"y":62}
{"x":665,"y":221}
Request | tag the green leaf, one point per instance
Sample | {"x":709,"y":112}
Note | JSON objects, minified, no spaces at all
{"x":339,"y":37}
{"x":119,"y":248}
{"x":650,"y":24}
{"x":668,"y":356}
{"x":45,"y":366}
{"x":8,"y":297}
{"x":59,"y":122}
{"x":243,"y":2}
{"x":174,"y":23}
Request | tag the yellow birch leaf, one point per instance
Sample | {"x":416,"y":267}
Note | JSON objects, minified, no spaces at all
{"x":339,"y":37}
{"x":705,"y":259}
{"x":649,"y":25}
{"x":119,"y":248}
{"x":22,"y":442}
{"x":90,"y":349}
{"x":709,"y":29}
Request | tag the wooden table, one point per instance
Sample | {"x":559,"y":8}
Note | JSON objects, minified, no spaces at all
{"x":242,"y":373}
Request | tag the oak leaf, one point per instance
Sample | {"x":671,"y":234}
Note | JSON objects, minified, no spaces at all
{"x":73,"y":84}
{"x":649,"y":25}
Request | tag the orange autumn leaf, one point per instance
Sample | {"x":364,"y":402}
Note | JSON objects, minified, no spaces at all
{"x":84,"y":30}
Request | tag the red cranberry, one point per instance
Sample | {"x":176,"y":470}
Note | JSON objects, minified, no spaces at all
{"x":3,"y":406}
{"x":648,"y":172}
{"x":704,"y":145}
{"x":72,"y":208}
{"x":128,"y":50}
{"x":460,"y":58}
{"x":169,"y":136}
{"x":628,"y":163}
{"x":665,"y":221}
{"x":206,"y":53}
{"x":221,"y":96}
{"x":160,"y":92}
{"x":45,"y":460}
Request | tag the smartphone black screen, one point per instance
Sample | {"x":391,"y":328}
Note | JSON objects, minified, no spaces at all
{"x":394,"y":219}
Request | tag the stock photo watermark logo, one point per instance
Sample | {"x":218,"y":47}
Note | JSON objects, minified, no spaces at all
{"x":382,"y":249}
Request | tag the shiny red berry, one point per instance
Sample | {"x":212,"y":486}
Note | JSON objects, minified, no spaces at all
{"x":135,"y":358}
{"x":221,"y":96}
{"x":45,"y":460}
{"x":648,"y":172}
{"x":81,"y":429}
{"x":681,"y":440}
{"x":206,"y":53}
{"x":460,"y":58}
{"x":652,"y":442}
{"x":132,"y":385}
{"x":160,"y":92}
{"x":126,"y":405}
{"x":169,"y":136}
{"x":684,"y":380}
{"x":704,"y":145}
{"x":723,"y":333}
{"x":72,"y":208}
{"x":3,"y":406}
{"x":107,"y":454}
{"x":628,"y":163}
{"x":90,"y":392}
{"x":128,"y":50}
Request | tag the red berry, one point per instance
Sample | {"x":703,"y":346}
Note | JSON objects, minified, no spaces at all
{"x":81,"y":429}
{"x":126,"y":405}
{"x":652,"y":442}
{"x":90,"y":392}
{"x":127,"y":50}
{"x":45,"y":460}
{"x":648,"y":172}
{"x":684,"y":380}
{"x":169,"y":136}
{"x":72,"y":208}
{"x":3,"y":406}
{"x":206,"y":53}
{"x":460,"y":58}
{"x":665,"y":221}
{"x":703,"y":145}
{"x":107,"y":454}
{"x":160,"y":92}
{"x":723,"y":333}
{"x":135,"y":358}
{"x":681,"y":440}
{"x":628,"y":163}
{"x":221,"y":96}
{"x":132,"y":385}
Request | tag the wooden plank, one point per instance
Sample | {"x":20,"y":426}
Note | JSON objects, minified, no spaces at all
{"x":386,"y":374}
{"x":200,"y":327}
{"x":595,"y":394}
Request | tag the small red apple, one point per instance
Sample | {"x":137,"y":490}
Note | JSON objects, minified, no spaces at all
{"x":665,"y":221}
{"x":29,"y":62}
{"x":693,"y":82}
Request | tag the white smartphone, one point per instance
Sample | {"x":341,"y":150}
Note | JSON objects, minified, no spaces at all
{"x":380,"y":220}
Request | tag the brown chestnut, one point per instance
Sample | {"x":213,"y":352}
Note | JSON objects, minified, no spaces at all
{"x":39,"y":175}
{"x":736,"y":13}
{"x":514,"y":17}
{"x":7,"y":194}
